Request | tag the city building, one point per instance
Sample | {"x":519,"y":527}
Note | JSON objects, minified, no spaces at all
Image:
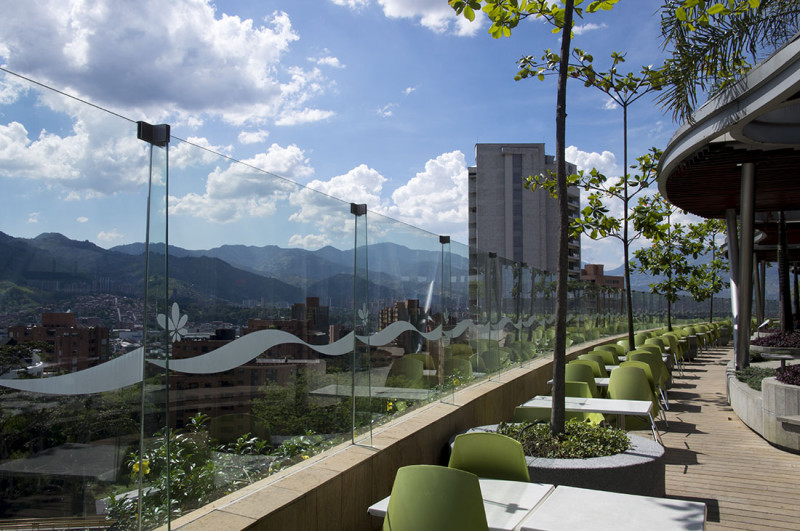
{"x":75,"y":346}
{"x":516,"y":223}
{"x":227,"y":397}
{"x":318,"y":318}
{"x":409,"y":311}
{"x":594,"y":273}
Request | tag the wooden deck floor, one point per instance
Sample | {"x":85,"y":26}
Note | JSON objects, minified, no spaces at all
{"x":713,"y":457}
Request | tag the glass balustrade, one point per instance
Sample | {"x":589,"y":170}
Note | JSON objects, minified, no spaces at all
{"x":178,"y":324}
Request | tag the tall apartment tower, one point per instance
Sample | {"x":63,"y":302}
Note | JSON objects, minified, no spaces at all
{"x":516,"y":223}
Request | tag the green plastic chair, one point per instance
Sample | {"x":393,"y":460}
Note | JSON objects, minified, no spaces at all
{"x":458,"y":365}
{"x":489,"y":360}
{"x":616,"y":349}
{"x":489,"y":455}
{"x":459,"y":349}
{"x":655,"y":349}
{"x":595,"y":362}
{"x":630,"y":383}
{"x":581,"y":372}
{"x":652,"y":379}
{"x":624,"y":344}
{"x":426,"y":359}
{"x":435,"y":497}
{"x":659,"y":342}
{"x":641,"y":337}
{"x":657,"y":366}
{"x":406,"y":372}
{"x":609,"y":357}
{"x":676,"y":348}
{"x":581,"y":390}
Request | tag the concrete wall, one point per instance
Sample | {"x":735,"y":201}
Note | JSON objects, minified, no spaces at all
{"x":773,"y":413}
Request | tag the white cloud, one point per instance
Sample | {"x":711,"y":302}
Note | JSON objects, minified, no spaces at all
{"x":583,"y":28}
{"x":253,"y":137}
{"x":610,"y":105}
{"x":310,"y":241}
{"x":246,"y":189}
{"x":331,"y":219}
{"x":386,"y":110}
{"x":33,"y":217}
{"x":200,"y":62}
{"x":605,"y":162}
{"x":657,"y":129}
{"x":327,"y":61}
{"x":97,"y":158}
{"x":295,"y":117}
{"x":438,"y":17}
{"x":436,"y":198}
{"x":195,"y":151}
{"x":110,"y":237}
{"x":409,"y":90}
{"x":352,"y":4}
{"x":82,"y":219}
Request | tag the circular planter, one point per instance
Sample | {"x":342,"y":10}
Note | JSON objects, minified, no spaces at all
{"x":776,"y":351}
{"x":639,"y":470}
{"x":781,"y":413}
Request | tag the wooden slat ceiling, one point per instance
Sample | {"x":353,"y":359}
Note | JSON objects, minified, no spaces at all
{"x":709,"y":183}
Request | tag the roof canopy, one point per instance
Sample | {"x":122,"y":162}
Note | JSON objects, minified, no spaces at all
{"x":757,"y":120}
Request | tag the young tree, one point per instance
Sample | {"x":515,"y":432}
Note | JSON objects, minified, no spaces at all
{"x":669,"y":255}
{"x":706,"y":280}
{"x":714,"y":43}
{"x":595,"y":220}
{"x":505,"y":15}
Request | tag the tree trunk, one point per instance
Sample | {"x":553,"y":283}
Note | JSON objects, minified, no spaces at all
{"x":557,"y":416}
{"x":625,"y":240}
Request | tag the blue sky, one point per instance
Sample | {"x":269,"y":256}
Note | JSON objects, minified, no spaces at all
{"x":375,"y":101}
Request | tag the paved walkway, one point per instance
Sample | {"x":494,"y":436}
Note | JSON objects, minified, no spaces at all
{"x":713,"y":457}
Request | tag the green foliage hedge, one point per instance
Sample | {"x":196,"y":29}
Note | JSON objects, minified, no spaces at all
{"x":579,"y":440}
{"x":752,"y":376}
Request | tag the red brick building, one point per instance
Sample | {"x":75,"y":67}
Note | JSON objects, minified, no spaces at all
{"x":75,"y":346}
{"x":594,"y":273}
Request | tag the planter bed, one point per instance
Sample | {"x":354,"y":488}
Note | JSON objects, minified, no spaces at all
{"x":639,"y":470}
{"x":773,"y":413}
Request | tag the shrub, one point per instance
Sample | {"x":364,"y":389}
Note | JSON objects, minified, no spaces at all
{"x":790,"y":375}
{"x":579,"y":440}
{"x":752,"y":376}
{"x":781,"y":339}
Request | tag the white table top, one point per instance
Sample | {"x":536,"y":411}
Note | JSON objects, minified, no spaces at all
{"x":571,"y":508}
{"x":664,"y":357}
{"x":595,"y":405}
{"x":599,"y":382}
{"x":506,"y":503}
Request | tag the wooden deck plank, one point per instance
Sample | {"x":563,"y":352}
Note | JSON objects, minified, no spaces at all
{"x":713,"y":457}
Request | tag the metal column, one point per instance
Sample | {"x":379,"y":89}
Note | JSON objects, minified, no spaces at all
{"x":733,"y":257}
{"x":747,"y":209}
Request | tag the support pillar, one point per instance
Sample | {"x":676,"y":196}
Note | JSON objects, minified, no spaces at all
{"x":733,"y":258}
{"x":758,"y":279}
{"x":747,"y":209}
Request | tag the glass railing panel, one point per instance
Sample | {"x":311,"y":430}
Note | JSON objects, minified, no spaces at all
{"x":458,"y":358}
{"x":75,"y":180}
{"x":405,"y":267}
{"x":261,"y":285}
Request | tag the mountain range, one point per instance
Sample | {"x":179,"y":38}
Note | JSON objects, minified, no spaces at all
{"x":236,"y":274}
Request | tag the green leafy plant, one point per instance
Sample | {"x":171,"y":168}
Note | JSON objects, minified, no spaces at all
{"x":752,"y":376}
{"x":579,"y":440}
{"x":789,"y":375}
